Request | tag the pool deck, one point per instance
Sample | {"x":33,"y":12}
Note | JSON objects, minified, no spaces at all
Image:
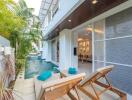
{"x":25,"y":90}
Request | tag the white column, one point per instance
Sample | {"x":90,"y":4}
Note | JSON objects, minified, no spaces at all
{"x":65,"y":49}
{"x":49,"y":51}
{"x":44,"y":49}
{"x":46,"y":53}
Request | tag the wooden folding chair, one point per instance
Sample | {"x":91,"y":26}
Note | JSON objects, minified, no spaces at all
{"x":94,"y":79}
{"x":57,"y":88}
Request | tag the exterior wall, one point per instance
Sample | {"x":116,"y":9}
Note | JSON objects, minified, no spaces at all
{"x":46,"y":54}
{"x":49,"y":51}
{"x":54,"y":50}
{"x":63,"y":11}
{"x":114,"y":48}
{"x":44,"y":50}
{"x":119,"y":48}
{"x":4,"y":41}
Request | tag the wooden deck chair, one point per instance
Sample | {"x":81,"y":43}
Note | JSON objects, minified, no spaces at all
{"x":94,"y":79}
{"x":58,"y":88}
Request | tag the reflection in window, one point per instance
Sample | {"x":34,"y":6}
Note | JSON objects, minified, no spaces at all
{"x":98,"y":64}
{"x":119,"y":25}
{"x":99,"y":30}
{"x":55,"y":9}
{"x":99,"y":51}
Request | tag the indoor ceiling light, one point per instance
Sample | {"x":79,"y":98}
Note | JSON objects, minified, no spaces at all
{"x":80,"y":39}
{"x":69,"y":20}
{"x":94,"y":1}
{"x":95,"y":30}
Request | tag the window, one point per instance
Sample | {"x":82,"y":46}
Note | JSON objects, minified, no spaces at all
{"x":99,"y":44}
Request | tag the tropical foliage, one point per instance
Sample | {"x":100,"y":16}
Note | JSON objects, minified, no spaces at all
{"x":21,"y":27}
{"x":8,"y":20}
{"x":22,"y":39}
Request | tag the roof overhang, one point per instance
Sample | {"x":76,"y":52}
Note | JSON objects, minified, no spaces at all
{"x":46,"y":6}
{"x":83,"y":13}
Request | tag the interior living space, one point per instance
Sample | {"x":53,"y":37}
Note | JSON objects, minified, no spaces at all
{"x":69,"y":50}
{"x":83,"y":50}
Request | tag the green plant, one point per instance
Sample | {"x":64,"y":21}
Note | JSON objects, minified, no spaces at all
{"x":8,"y":20}
{"x":14,"y":25}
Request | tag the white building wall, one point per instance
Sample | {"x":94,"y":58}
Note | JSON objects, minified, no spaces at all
{"x":65,"y":7}
{"x":54,"y":50}
{"x":46,"y":54}
{"x":49,"y":51}
{"x":63,"y":11}
{"x":44,"y":49}
{"x":65,"y":42}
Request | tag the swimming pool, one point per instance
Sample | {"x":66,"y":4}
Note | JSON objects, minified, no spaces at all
{"x":35,"y":65}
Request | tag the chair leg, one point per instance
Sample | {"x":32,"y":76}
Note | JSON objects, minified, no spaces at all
{"x":93,"y":97}
{"x":95,"y":91}
{"x":107,"y":81}
{"x":77,"y":93}
{"x":71,"y":96}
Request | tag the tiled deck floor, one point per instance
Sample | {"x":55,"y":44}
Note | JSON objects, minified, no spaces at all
{"x":85,"y":67}
{"x":24,"y":88}
{"x":25,"y":91}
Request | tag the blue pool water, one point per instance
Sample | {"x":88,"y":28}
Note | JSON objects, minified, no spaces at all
{"x":34,"y":66}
